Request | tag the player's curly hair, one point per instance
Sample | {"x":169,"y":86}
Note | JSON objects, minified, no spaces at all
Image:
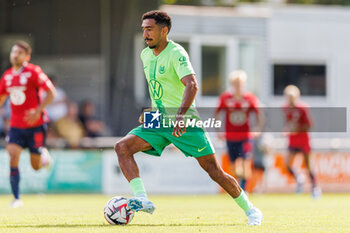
{"x":161,"y":17}
{"x":24,"y":45}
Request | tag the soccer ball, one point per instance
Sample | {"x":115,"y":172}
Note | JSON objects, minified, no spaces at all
{"x":116,"y":211}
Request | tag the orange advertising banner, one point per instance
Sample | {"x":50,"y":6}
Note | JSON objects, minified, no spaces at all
{"x":332,"y":171}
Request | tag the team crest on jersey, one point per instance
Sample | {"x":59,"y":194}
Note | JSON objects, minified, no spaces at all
{"x":8,"y":78}
{"x":161,"y":69}
{"x":156,"y":89}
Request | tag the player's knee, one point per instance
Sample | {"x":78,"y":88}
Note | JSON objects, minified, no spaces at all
{"x":14,"y":158}
{"x":12,"y":152}
{"x":121,"y":148}
{"x":36,"y":166}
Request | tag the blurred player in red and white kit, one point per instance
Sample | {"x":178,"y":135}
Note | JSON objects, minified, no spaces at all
{"x":23,"y":83}
{"x":298,"y":124}
{"x":238,"y":104}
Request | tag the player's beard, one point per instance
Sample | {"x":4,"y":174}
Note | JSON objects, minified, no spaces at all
{"x":154,"y":46}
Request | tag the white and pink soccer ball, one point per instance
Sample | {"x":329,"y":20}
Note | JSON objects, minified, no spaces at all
{"x":116,"y":211}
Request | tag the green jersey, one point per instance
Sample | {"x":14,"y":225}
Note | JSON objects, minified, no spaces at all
{"x":164,"y":73}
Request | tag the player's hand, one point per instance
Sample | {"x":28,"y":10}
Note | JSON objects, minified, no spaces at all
{"x":256,"y":132}
{"x":32,"y":116}
{"x":178,"y":130}
{"x":141,"y":116}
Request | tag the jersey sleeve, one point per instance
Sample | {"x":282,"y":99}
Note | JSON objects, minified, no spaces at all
{"x":221,"y":105}
{"x":41,"y":80}
{"x":182,"y":64}
{"x":254,"y":104}
{"x":3,"y":90}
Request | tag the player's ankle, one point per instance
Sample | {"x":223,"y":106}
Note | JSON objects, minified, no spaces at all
{"x":143,"y":195}
{"x":137,"y":187}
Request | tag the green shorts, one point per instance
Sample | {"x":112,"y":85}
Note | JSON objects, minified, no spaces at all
{"x":194,"y":143}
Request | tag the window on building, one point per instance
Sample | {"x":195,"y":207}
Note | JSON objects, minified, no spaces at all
{"x":213,"y":70}
{"x":311,"y":79}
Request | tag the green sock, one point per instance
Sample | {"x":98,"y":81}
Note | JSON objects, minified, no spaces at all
{"x":243,"y":201}
{"x":137,"y":187}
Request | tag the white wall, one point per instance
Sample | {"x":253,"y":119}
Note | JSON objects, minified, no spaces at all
{"x":313,"y":35}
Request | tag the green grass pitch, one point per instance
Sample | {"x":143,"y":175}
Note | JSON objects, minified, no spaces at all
{"x":187,"y":213}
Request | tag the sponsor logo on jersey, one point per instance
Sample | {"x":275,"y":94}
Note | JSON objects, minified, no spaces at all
{"x":156,"y":89}
{"x":183,"y":61}
{"x":17,"y":95}
{"x":238,"y":117}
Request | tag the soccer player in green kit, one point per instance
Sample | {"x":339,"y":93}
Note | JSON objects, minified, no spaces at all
{"x":172,"y":84}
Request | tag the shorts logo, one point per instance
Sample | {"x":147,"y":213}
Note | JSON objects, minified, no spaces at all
{"x":156,"y":89}
{"x":161,"y":69}
{"x":151,"y":120}
{"x":200,"y":150}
